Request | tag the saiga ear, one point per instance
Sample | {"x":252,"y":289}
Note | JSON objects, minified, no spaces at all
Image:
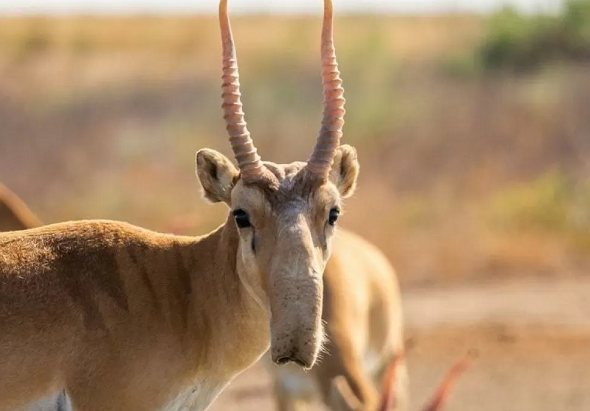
{"x":217,"y":175}
{"x":345,"y":170}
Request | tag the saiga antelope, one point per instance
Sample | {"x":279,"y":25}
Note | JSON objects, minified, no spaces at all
{"x":14,"y":214}
{"x":126,"y":319}
{"x":343,"y":399}
{"x":363,"y":317}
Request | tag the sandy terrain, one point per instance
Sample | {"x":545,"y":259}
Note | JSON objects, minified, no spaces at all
{"x":533,"y":342}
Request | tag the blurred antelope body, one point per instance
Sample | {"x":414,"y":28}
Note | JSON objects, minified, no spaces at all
{"x":126,"y":319}
{"x":343,"y":399}
{"x":14,"y":214}
{"x":364,"y":326}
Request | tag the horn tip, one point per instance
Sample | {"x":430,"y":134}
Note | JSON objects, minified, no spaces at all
{"x":222,"y":8}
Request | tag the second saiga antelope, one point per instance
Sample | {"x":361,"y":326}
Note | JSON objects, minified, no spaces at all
{"x":126,"y":319}
{"x":364,"y":326}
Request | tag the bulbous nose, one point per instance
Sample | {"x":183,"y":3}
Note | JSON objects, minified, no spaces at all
{"x":295,"y":296}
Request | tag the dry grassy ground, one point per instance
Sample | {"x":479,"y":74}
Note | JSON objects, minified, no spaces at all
{"x":533,"y":342}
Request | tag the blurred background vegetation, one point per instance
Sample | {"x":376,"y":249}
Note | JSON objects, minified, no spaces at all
{"x":524,"y":42}
{"x":473,"y":133}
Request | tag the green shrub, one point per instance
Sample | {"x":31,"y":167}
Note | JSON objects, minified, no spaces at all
{"x":518,"y":42}
{"x":576,"y":21}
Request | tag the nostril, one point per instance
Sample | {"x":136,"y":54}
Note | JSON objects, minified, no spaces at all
{"x":296,"y":360}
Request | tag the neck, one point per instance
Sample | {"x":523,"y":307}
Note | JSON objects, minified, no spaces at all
{"x":231,"y":328}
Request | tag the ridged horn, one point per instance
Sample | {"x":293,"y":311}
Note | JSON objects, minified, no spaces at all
{"x":249,"y":162}
{"x":328,"y":141}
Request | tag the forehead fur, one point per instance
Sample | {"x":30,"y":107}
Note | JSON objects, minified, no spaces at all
{"x":292,"y":183}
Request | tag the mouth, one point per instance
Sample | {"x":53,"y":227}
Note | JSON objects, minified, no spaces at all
{"x":297,"y":347}
{"x":293,"y":358}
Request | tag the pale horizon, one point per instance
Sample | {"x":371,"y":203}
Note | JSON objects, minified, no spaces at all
{"x":269,"y":6}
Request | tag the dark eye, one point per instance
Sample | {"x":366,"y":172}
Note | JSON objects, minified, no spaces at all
{"x":242,"y":219}
{"x":334,"y":214}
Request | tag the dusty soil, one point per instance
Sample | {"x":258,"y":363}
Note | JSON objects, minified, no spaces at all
{"x":533,"y":341}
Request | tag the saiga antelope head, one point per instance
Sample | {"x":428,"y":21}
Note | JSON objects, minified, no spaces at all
{"x":285,"y":214}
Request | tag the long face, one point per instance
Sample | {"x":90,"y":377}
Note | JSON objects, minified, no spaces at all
{"x":285,"y":235}
{"x":285,"y":214}
{"x":285,"y":231}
